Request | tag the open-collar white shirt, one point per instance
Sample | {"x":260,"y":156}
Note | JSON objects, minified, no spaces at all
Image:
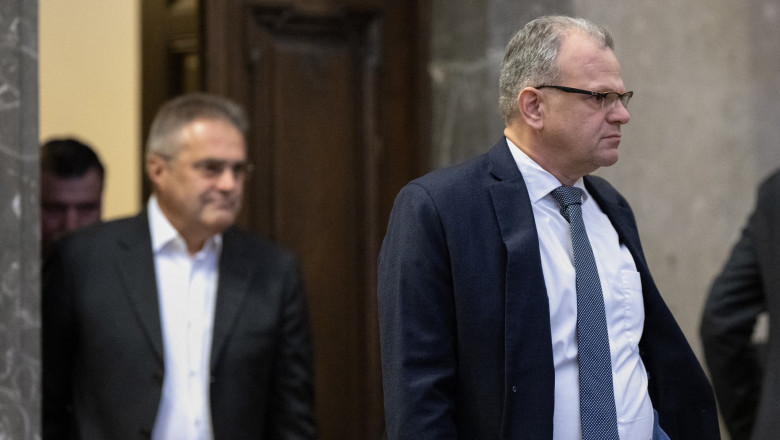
{"x":187,"y":290}
{"x":622,"y":289}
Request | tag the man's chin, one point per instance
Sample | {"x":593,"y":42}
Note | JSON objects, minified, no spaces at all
{"x":221,"y":220}
{"x":611,"y":161}
{"x":609,"y":158}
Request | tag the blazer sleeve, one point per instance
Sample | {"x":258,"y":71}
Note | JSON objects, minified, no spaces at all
{"x":57,"y":340}
{"x":417,"y":321}
{"x":730,"y":312}
{"x":292,"y":399}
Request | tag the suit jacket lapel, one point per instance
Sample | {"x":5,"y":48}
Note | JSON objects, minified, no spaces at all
{"x":136,"y":261}
{"x":233,"y":285}
{"x":620,"y":216}
{"x":528,"y":350}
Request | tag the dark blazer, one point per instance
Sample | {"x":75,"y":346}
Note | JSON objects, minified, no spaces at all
{"x":748,"y":393}
{"x":103,"y":349}
{"x":465,"y":322}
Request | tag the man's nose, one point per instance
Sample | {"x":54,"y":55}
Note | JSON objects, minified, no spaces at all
{"x":619,"y":113}
{"x":72,"y":219}
{"x":228,"y":179}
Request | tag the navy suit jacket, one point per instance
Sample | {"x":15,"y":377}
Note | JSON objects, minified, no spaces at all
{"x":103,"y":361}
{"x":465,"y":321}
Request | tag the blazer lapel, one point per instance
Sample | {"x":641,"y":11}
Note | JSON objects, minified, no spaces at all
{"x":233,"y":285}
{"x":136,"y":264}
{"x":529,"y":370}
{"x":619,"y":215}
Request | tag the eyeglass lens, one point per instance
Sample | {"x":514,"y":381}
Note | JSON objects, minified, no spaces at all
{"x":611,"y":97}
{"x":215,"y":168}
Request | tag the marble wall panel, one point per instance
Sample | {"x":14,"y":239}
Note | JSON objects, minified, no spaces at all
{"x":468,"y":39}
{"x":19,"y":216}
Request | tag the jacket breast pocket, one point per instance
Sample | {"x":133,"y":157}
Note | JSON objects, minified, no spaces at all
{"x":631,"y":306}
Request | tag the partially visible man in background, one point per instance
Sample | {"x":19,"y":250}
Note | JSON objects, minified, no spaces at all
{"x":71,"y":189}
{"x":744,"y":372}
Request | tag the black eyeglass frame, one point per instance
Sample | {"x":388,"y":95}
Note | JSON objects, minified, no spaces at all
{"x":212,"y":168}
{"x":624,"y":98}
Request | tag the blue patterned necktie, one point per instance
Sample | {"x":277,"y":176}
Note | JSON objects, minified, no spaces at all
{"x":597,"y":399}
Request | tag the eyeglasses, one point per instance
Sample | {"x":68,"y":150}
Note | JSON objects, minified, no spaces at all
{"x":607,"y":99}
{"x":213,"y":168}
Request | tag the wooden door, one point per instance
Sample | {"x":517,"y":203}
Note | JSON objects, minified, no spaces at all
{"x":310,"y":79}
{"x":336,"y":97}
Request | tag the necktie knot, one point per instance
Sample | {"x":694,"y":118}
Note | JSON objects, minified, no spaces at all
{"x":567,"y":196}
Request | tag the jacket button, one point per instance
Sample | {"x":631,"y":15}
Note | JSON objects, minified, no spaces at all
{"x":514,"y":389}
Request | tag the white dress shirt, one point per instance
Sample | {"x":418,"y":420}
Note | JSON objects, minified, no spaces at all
{"x":187,"y":287}
{"x":622,"y":289}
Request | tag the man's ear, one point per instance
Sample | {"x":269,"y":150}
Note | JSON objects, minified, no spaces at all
{"x":530,"y":105}
{"x":155,"y":165}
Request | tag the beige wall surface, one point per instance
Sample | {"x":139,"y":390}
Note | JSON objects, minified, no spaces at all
{"x":90,"y":87}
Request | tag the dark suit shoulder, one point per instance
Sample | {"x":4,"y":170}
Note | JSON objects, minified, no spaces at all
{"x":129,"y":227}
{"x":447,"y":178}
{"x":95,"y":241}
{"x":472,"y":178}
{"x":770,"y":186}
{"x":452,"y":194}
{"x":766,"y":213}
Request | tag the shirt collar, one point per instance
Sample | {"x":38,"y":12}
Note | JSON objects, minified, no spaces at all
{"x":538,"y":180}
{"x":164,"y":234}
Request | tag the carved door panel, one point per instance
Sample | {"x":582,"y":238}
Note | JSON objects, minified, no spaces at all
{"x":311,"y":93}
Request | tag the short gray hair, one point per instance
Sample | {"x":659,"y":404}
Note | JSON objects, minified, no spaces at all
{"x":531,"y":56}
{"x":164,"y":133}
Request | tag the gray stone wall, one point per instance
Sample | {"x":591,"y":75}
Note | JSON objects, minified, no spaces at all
{"x":705,"y":118}
{"x":19,"y":235}
{"x":467,"y":44}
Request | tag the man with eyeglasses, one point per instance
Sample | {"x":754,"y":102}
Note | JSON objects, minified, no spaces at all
{"x":174,"y":324}
{"x":515,"y":301}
